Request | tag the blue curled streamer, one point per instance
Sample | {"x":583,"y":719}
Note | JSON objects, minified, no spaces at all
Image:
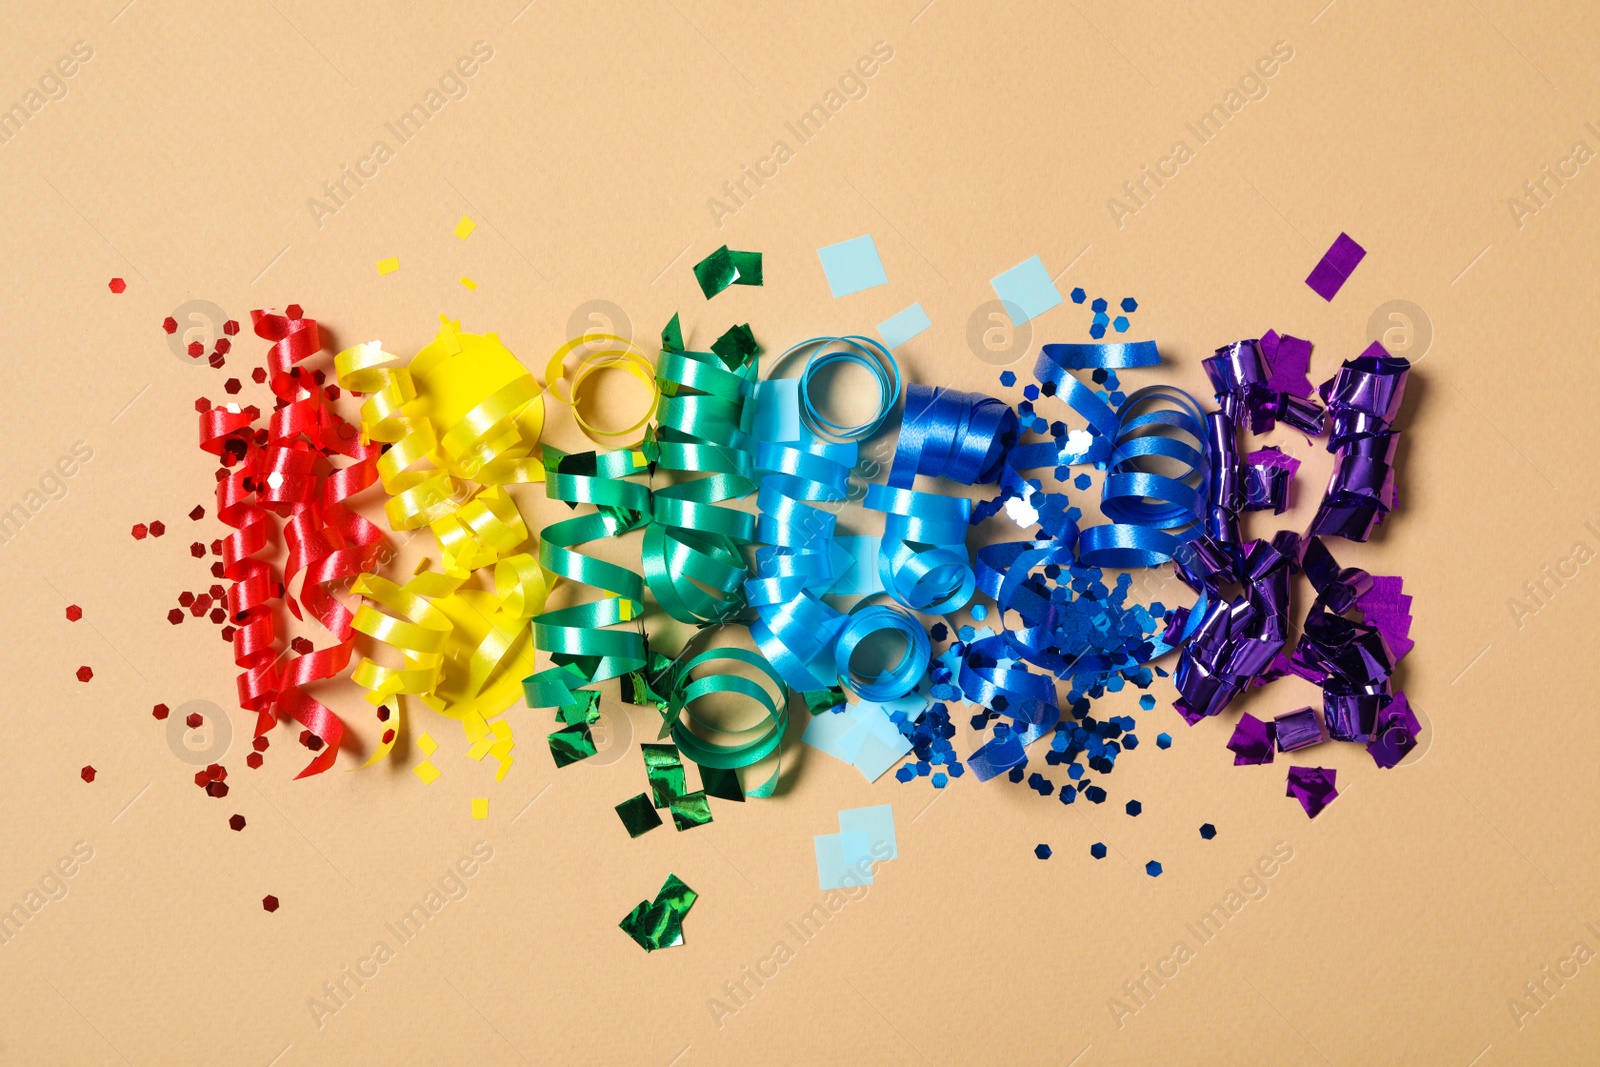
{"x":854,"y":350}
{"x":1151,"y":514}
{"x":923,"y":558}
{"x":810,"y":643}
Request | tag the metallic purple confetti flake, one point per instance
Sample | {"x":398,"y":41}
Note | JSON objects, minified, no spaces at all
{"x":1312,"y":787}
{"x":1297,"y":730}
{"x":1396,"y":733}
{"x":1335,"y":267}
{"x":1251,"y":742}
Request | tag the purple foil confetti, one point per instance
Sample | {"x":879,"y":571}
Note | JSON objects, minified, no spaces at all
{"x":1251,"y":742}
{"x":1312,"y":787}
{"x":1298,"y":729}
{"x":1335,"y":267}
{"x":1396,"y":733}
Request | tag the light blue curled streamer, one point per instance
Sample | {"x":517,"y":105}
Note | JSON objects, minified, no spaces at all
{"x":923,"y":559}
{"x":1151,"y":514}
{"x":854,"y":350}
{"x":810,"y":643}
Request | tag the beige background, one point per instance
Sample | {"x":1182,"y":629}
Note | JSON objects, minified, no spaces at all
{"x":182,"y":158}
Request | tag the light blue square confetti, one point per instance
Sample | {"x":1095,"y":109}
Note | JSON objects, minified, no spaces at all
{"x":852,"y":266}
{"x":1026,"y":290}
{"x":843,"y":859}
{"x":899,"y":328}
{"x":878,"y":824}
{"x":777,"y":415}
{"x":862,"y":577}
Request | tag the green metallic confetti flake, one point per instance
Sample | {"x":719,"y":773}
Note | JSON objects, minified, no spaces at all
{"x":716,"y":272}
{"x":571,"y":745}
{"x":748,"y":264}
{"x":690,"y":810}
{"x":637,"y":815}
{"x":585,"y":711}
{"x":639,"y":687}
{"x":672,"y":335}
{"x":659,"y":923}
{"x":722,"y":783}
{"x":823,"y":700}
{"x":725,"y":267}
{"x":664,"y":768}
{"x":737,"y":346}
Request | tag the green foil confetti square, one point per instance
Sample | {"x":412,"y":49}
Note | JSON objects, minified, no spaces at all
{"x":690,"y":810}
{"x":659,"y":923}
{"x":725,"y":267}
{"x":585,"y":711}
{"x":737,"y":346}
{"x":672,"y":335}
{"x":571,"y":744}
{"x":821,"y":700}
{"x":637,"y":815}
{"x":664,"y":768}
{"x":748,"y":264}
{"x":721,"y":783}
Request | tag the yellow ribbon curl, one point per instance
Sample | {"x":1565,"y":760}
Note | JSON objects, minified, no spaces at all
{"x":464,"y":411}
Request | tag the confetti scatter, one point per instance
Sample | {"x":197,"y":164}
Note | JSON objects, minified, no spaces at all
{"x":1042,"y":851}
{"x":87,"y":774}
{"x":469,"y":283}
{"x":464,"y":228}
{"x":659,"y":923}
{"x":726,"y":267}
{"x":160,"y":711}
{"x":388,"y":266}
{"x":140,"y":531}
{"x":638,"y":815}
{"x":1098,"y":850}
{"x":1312,"y":787}
{"x":852,"y":266}
{"x":74,"y":613}
{"x":480,"y":807}
{"x":269,"y":902}
{"x":236,"y":822}
{"x":1207,"y":831}
{"x":1153,"y":869}
{"x":118,"y":285}
{"x":84,"y":674}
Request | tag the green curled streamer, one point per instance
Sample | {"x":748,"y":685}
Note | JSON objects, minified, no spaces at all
{"x":697,"y":738}
{"x":582,"y":648}
{"x":692,"y":555}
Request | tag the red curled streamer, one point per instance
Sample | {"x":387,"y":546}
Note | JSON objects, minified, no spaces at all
{"x":286,"y":470}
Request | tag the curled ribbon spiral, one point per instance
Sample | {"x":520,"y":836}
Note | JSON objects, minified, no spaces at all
{"x":692,"y":555}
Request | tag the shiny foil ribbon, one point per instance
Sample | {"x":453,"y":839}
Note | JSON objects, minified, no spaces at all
{"x":286,"y":469}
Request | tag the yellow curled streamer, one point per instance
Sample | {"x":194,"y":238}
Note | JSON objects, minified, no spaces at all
{"x":463,"y":411}
{"x":626,"y":356}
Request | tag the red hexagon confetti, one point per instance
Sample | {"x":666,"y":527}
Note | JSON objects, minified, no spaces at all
{"x":140,"y":531}
{"x":175,"y":616}
{"x":237,"y":822}
{"x":198,"y":513}
{"x":74,"y":613}
{"x":118,"y":285}
{"x":169,"y":324}
{"x":88,"y":774}
{"x":157,"y":528}
{"x":253,"y":760}
{"x":84,"y":674}
{"x":269,"y":902}
{"x":194,"y":721}
{"x":230,"y":327}
{"x":161,"y":711}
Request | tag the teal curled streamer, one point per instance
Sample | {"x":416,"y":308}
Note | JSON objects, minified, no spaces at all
{"x":692,"y":553}
{"x":823,"y":353}
{"x":923,"y":560}
{"x":582,"y":648}
{"x":1159,"y":428}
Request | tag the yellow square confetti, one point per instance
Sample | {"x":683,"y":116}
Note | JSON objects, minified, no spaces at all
{"x":389,"y":266}
{"x":468,"y":282}
{"x":426,"y":771}
{"x":426,"y":745}
{"x":480,"y":807}
{"x":465,"y":227}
